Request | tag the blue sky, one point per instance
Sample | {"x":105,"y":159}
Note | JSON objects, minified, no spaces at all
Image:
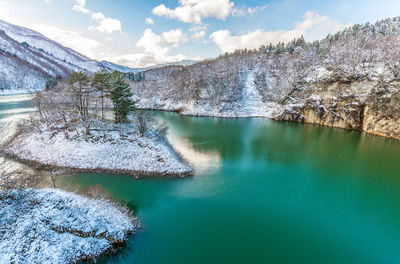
{"x":142,"y":33}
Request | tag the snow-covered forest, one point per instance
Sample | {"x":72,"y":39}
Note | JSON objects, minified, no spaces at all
{"x":349,"y":79}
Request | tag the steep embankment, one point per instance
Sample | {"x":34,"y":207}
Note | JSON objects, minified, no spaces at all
{"x":348,"y":80}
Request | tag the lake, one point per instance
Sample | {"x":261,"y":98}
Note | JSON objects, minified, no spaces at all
{"x":263,"y":192}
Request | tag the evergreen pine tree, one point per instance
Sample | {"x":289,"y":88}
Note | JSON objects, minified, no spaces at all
{"x":121,"y":96}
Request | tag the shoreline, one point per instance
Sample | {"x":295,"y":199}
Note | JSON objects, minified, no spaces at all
{"x":106,"y":151}
{"x":275,"y":119}
{"x":136,"y":174}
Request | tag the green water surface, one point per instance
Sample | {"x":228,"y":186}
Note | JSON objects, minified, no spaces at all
{"x":263,"y":192}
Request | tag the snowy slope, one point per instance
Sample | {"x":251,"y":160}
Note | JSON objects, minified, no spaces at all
{"x":28,"y":59}
{"x":47,"y":46}
{"x":115,"y":67}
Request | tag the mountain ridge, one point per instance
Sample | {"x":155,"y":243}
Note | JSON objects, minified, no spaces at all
{"x":125,"y":69}
{"x":28,"y":59}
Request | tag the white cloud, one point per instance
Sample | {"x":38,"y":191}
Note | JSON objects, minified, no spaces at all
{"x":318,"y":27}
{"x":160,"y":44}
{"x":198,"y":35}
{"x":192,"y":11}
{"x":245,"y":11}
{"x":79,"y":8}
{"x":198,"y":32}
{"x":149,"y":21}
{"x":311,"y":19}
{"x":156,"y":49}
{"x":312,"y":27}
{"x":106,"y":24}
{"x":173,"y":37}
{"x":197,"y":28}
{"x":253,"y":10}
{"x":81,"y":2}
{"x":98,"y":16}
{"x":143,"y":60}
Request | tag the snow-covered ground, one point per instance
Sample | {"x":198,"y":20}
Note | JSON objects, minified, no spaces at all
{"x":101,"y":151}
{"x":54,"y":226}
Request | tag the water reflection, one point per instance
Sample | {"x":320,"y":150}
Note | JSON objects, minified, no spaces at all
{"x":209,"y":135}
{"x":264,"y":192}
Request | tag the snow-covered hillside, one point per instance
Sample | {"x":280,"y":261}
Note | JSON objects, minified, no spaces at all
{"x":348,"y":80}
{"x":51,"y":49}
{"x":28,"y":59}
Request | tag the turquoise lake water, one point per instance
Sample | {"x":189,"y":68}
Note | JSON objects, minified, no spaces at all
{"x":263,"y":192}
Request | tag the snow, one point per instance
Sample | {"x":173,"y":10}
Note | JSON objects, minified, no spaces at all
{"x":115,"y":67}
{"x":17,"y":92}
{"x":351,"y":65}
{"x":251,"y":97}
{"x":253,"y":104}
{"x":113,"y":151}
{"x":28,"y":58}
{"x":52,"y":48}
{"x":54,"y":226}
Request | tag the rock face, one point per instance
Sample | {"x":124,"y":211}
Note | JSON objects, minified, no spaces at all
{"x":348,"y":80}
{"x":53,"y":226}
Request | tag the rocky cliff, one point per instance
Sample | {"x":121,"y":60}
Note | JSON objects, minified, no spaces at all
{"x":348,"y":80}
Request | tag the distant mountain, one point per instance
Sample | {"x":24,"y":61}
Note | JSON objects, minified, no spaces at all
{"x":28,"y":59}
{"x":115,"y":67}
{"x":178,"y":63}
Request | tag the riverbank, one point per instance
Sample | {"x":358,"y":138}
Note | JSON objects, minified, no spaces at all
{"x":54,"y":226}
{"x":107,"y":148}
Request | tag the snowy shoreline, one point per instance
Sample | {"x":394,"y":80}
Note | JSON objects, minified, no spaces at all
{"x":54,"y":226}
{"x":115,"y":153}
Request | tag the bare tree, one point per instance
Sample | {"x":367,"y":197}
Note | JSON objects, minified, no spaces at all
{"x":13,"y":176}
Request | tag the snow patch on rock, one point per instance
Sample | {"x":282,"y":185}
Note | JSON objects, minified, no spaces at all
{"x":252,"y":99}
